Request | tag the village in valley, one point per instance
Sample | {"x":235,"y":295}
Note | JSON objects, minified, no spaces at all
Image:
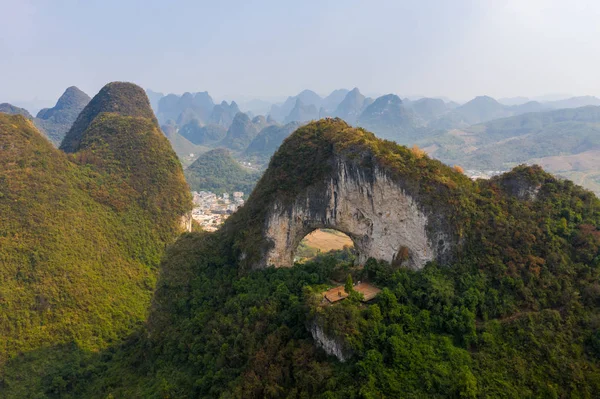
{"x":211,"y":210}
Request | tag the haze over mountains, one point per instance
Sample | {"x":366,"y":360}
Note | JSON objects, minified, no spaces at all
{"x":194,"y":123}
{"x":56,"y":121}
{"x":85,"y":226}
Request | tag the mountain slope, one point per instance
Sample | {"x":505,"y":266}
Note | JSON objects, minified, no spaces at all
{"x":302,"y":112}
{"x":564,"y":141}
{"x":217,"y":171}
{"x":307,"y":97}
{"x":185,"y":149}
{"x":331,"y":102}
{"x":81,"y":235}
{"x":389,"y":119}
{"x":269,"y":139}
{"x":77,"y":252}
{"x":223,"y":114}
{"x":55,"y":122}
{"x":513,"y":315}
{"x":240,"y":133}
{"x":10,"y":109}
{"x":123,"y":98}
{"x":202,"y":135}
{"x":350,"y":108}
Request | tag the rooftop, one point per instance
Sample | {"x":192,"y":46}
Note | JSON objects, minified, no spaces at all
{"x":338,"y":293}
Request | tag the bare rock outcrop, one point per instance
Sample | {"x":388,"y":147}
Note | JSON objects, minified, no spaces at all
{"x":395,"y":204}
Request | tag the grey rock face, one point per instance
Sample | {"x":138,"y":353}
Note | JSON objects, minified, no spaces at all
{"x":371,"y":208}
{"x":331,"y":345}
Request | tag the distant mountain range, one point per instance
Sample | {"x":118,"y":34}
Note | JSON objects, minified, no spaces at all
{"x":55,"y":122}
{"x":483,"y":133}
{"x":198,"y":119}
{"x":563,"y":141}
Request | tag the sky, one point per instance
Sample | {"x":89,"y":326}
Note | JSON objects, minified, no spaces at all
{"x":271,"y":49}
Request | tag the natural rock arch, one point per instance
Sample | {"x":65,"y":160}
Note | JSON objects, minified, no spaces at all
{"x":395,"y":204}
{"x":372,"y":209}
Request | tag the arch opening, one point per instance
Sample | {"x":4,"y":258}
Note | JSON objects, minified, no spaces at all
{"x":325,"y":241}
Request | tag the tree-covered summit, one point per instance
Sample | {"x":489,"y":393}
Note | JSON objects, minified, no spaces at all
{"x":123,"y":98}
{"x":513,"y":315}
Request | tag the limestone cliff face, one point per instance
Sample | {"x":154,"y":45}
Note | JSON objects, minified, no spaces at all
{"x":396,"y":204}
{"x":375,"y":211}
{"x":331,"y":345}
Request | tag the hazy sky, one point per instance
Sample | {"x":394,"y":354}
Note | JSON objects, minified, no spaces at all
{"x":457,"y":48}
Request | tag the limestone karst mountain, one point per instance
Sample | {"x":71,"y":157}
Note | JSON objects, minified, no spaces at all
{"x":480,"y":109}
{"x":504,"y":230}
{"x":307,"y":98}
{"x":331,"y":102}
{"x":186,"y":150}
{"x":332,"y":172}
{"x":268,"y":140}
{"x":390,"y":119}
{"x":10,"y":109}
{"x":185,"y":108}
{"x":302,"y":112}
{"x":486,"y":278}
{"x":55,"y":122}
{"x":81,"y":234}
{"x":429,"y":108}
{"x":240,"y":134}
{"x":202,"y":134}
{"x":217,"y":171}
{"x":223,"y":114}
{"x":261,"y":122}
{"x":125,"y":99}
{"x":335,"y":165}
{"x":353,"y":104}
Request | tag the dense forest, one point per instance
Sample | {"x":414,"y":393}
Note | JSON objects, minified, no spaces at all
{"x":81,"y":235}
{"x":514,"y":315}
{"x":219,"y":172}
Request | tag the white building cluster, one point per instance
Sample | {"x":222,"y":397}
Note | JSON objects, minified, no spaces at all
{"x":482,"y":174}
{"x":211,"y":210}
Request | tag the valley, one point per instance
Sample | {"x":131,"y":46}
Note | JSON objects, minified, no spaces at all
{"x":446,"y":262}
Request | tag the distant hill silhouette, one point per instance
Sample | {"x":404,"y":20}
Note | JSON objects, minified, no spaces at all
{"x":223,"y":114}
{"x":565,"y":141}
{"x":268,"y":140}
{"x":240,"y":133}
{"x":202,"y":135}
{"x":13,"y":110}
{"x":302,"y":112}
{"x":353,"y":104}
{"x":184,"y":108}
{"x":55,"y":122}
{"x":389,"y":119}
{"x":307,"y":98}
{"x":331,"y":102}
{"x":154,"y":98}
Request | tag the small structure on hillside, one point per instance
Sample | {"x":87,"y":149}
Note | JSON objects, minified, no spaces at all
{"x":338,"y":293}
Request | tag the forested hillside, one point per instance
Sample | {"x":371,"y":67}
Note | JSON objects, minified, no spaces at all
{"x":81,"y":235}
{"x":514,"y":315}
